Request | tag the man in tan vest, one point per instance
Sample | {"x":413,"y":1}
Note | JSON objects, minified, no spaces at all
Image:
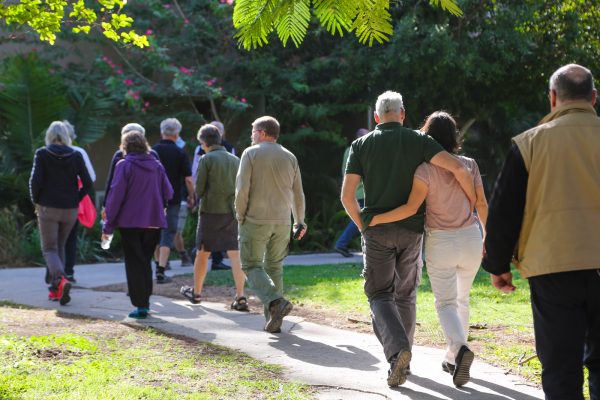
{"x":545,"y":211}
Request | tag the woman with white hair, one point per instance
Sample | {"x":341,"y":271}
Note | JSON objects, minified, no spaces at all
{"x":55,"y":194}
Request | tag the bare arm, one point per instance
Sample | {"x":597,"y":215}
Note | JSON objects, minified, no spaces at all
{"x":415,"y":199}
{"x":348,"y":198}
{"x":481,"y":206}
{"x":189,"y":184}
{"x":445,"y":160}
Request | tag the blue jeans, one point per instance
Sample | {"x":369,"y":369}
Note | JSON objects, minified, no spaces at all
{"x":350,"y":232}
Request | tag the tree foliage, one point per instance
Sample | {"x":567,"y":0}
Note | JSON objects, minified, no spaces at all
{"x":370,"y":20}
{"x":46,"y":17}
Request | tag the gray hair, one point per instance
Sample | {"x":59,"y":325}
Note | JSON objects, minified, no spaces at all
{"x":70,"y":129}
{"x":132,"y":127}
{"x":209,"y":134}
{"x":57,"y":133}
{"x":389,"y":102}
{"x":170,"y":127}
{"x":572,"y":82}
{"x":219,"y":126}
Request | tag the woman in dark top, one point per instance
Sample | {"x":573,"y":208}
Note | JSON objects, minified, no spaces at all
{"x":54,"y":192}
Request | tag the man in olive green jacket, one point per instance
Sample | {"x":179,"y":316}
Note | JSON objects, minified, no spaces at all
{"x":268,"y":190}
{"x":546,"y":205}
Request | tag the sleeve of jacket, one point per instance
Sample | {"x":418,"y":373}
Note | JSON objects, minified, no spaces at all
{"x":506,"y":210}
{"x":242,"y":187}
{"x":86,"y":180}
{"x":201,"y":178}
{"x":36,"y":179}
{"x":299,"y":201}
{"x":116,"y":197}
{"x":111,"y":171}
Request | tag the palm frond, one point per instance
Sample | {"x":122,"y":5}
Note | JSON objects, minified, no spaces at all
{"x":373,"y":21}
{"x":448,"y":5}
{"x":90,"y":115}
{"x":291,"y":20}
{"x":254,"y":21}
{"x":336,"y":15}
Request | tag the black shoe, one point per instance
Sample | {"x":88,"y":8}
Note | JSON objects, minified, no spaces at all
{"x":447,"y":367}
{"x":343,"y":251}
{"x":398,"y":366}
{"x":186,"y":261}
{"x":71,"y":278}
{"x":464,"y":359}
{"x":219,"y":266}
{"x":168,"y":266}
{"x":162,"y":278}
{"x":278,"y":309}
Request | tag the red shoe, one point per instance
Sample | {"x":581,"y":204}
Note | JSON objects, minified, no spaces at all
{"x":64,"y":287}
{"x":53,"y":295}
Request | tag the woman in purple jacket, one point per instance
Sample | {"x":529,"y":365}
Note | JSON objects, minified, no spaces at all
{"x":136,"y":205}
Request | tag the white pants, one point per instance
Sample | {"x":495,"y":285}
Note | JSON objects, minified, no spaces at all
{"x":453,"y":258}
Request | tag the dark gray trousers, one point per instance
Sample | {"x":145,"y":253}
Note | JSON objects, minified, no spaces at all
{"x":392,"y":272}
{"x":55,"y":225}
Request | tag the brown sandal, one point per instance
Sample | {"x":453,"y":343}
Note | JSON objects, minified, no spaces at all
{"x":240,"y":304}
{"x":188,"y":293}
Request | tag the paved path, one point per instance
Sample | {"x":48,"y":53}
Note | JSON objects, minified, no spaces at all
{"x":343,"y":364}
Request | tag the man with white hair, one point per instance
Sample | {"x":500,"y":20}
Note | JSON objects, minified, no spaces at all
{"x":386,"y":160}
{"x":177,"y":166}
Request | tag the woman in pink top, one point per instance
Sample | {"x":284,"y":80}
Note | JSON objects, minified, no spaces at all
{"x":453,"y":244}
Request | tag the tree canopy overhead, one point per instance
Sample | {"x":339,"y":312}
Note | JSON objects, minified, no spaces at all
{"x":47,"y":16}
{"x":370,"y":20}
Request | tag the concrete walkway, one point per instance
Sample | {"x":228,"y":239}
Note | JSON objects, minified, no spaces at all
{"x":342,"y":364}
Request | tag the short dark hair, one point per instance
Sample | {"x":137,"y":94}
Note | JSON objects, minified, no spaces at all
{"x":572,"y":82}
{"x":268,"y":124}
{"x":209,"y":134}
{"x":134,"y":142}
{"x":442,"y":127}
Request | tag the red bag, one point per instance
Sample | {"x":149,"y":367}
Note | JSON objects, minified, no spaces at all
{"x":87,"y":210}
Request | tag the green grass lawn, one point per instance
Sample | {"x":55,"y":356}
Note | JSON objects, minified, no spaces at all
{"x":49,"y":356}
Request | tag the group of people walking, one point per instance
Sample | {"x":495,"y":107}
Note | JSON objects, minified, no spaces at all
{"x":544,"y":212}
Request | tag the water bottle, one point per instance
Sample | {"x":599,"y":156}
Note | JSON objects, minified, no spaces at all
{"x":105,"y":244}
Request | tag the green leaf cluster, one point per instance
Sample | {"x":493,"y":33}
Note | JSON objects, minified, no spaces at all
{"x":47,"y":17}
{"x":370,"y":20}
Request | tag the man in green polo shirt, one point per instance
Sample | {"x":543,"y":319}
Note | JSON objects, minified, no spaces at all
{"x":386,"y":160}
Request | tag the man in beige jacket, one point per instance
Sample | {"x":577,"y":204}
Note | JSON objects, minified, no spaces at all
{"x":546,"y":205}
{"x":268,"y":191}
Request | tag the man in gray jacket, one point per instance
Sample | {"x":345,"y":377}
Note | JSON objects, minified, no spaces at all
{"x":268,"y":189}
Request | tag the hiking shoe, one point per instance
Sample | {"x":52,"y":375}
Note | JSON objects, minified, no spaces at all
{"x":188,"y":293}
{"x":186,"y":261}
{"x":447,"y":367}
{"x":398,"y":365}
{"x":343,"y":251}
{"x":464,"y":359}
{"x":64,"y":287}
{"x":71,"y":278}
{"x":278,"y":309}
{"x":162,"y":278}
{"x":139,"y":313}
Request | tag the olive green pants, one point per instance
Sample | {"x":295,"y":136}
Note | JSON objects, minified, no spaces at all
{"x":262,"y":251}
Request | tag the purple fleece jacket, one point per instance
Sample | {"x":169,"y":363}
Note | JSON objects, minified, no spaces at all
{"x":138,"y":194}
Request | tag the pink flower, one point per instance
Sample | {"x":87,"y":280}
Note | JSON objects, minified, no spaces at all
{"x":120,"y":71}
{"x":211,"y":82}
{"x":185,"y":70}
{"x":149,"y":32}
{"x":127,"y":82}
{"x":243,"y":100}
{"x":186,"y":21}
{"x":146,"y":104}
{"x":167,"y":6}
{"x":230,"y":2}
